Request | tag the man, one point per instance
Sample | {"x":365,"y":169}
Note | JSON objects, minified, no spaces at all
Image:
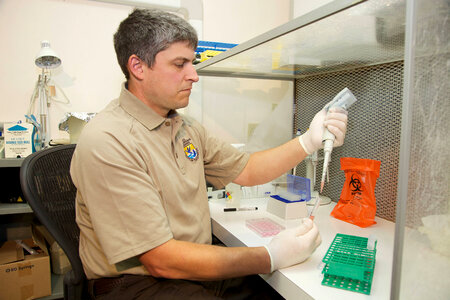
{"x":140,"y":169}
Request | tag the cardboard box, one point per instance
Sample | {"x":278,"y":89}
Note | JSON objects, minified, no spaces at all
{"x":10,"y":251}
{"x":59,"y":262}
{"x":26,"y":279}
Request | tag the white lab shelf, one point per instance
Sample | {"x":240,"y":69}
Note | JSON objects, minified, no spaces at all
{"x":14,"y":208}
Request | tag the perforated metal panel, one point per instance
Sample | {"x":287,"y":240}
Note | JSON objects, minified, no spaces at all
{"x":373,"y":130}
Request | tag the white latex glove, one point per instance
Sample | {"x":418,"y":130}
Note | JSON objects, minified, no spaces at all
{"x":293,"y":246}
{"x":336,"y":123}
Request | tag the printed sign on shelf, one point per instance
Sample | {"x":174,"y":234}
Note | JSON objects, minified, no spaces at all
{"x":18,"y":140}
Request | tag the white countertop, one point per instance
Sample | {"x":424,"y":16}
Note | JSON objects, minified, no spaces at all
{"x":304,"y":280}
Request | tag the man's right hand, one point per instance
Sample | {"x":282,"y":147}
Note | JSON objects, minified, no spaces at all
{"x":335,"y":121}
{"x":293,"y":246}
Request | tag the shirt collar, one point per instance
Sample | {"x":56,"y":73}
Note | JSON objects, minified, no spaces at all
{"x":141,"y":112}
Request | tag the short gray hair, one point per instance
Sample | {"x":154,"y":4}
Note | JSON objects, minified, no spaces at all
{"x":146,"y":32}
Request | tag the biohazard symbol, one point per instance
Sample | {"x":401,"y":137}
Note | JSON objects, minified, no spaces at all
{"x":355,"y":184}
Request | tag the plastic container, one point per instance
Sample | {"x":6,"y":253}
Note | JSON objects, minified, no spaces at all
{"x":290,"y":202}
{"x":349,"y":264}
{"x":264,"y":227}
{"x":300,"y":186}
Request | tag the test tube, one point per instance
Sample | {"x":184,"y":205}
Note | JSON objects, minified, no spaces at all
{"x":314,"y":210}
{"x":371,"y":241}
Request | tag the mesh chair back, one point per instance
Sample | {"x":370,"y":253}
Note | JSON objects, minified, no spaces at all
{"x":48,"y":189}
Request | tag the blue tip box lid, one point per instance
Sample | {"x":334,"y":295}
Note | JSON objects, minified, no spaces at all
{"x":280,"y":198}
{"x":300,"y":186}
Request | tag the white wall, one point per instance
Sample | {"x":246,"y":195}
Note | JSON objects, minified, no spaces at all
{"x":236,"y":21}
{"x":232,"y":107}
{"x":81,"y":31}
{"x":81,"y":34}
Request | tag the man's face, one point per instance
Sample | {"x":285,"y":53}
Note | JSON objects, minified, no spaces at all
{"x":168,"y":83}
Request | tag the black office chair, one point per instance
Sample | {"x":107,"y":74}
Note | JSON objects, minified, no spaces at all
{"x":49,"y":190}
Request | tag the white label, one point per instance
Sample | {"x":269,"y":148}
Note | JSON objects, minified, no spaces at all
{"x":18,"y":140}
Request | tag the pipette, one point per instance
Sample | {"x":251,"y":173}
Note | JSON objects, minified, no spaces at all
{"x":297,"y":135}
{"x":343,"y":100}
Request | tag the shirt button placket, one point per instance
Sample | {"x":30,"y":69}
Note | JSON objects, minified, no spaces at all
{"x":178,"y":158}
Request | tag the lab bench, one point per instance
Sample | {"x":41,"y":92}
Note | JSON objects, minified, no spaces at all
{"x":303,"y":281}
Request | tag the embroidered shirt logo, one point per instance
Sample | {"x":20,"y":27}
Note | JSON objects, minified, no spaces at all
{"x":189,"y":150}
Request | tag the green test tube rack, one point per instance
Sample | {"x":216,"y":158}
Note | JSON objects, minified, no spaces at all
{"x":349,"y":264}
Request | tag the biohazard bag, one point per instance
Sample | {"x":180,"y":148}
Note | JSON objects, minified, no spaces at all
{"x":357,"y":204}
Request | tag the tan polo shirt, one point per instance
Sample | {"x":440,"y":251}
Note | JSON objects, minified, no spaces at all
{"x":140,"y":182}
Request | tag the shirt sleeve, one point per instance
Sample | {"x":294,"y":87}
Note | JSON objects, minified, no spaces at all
{"x":222,"y":162}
